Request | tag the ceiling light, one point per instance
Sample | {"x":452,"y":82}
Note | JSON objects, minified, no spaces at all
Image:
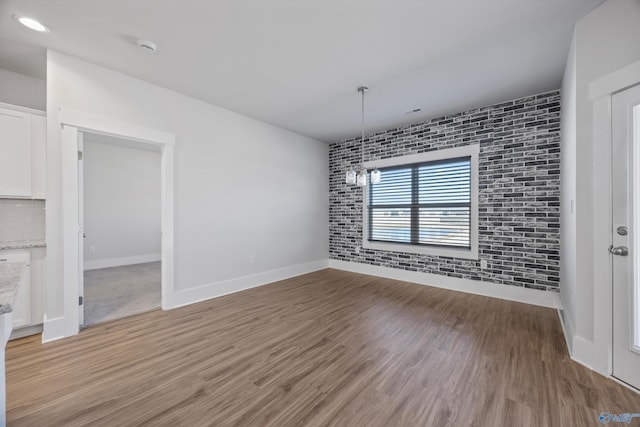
{"x":31,"y":23}
{"x":361,"y":178}
{"x":148,"y":46}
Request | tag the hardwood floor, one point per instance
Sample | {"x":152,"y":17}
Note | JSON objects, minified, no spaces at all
{"x":328,"y":348}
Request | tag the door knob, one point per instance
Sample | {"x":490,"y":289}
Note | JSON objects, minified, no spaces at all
{"x":619,"y":250}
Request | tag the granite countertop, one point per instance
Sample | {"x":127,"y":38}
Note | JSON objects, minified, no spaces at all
{"x":10,"y":275}
{"x":22,"y":244}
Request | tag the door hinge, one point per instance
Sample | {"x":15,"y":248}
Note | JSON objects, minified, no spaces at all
{"x":79,"y":155}
{"x":80,"y":300}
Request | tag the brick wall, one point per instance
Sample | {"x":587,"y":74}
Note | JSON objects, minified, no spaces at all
{"x":519,"y":192}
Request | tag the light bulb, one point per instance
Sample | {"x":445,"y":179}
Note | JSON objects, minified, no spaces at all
{"x":351,"y":177}
{"x":375,"y":176}
{"x":362,"y":178}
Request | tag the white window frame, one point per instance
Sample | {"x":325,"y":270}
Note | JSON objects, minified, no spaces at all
{"x":472,"y":151}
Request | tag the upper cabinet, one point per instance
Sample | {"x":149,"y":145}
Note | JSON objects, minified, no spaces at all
{"x":22,"y":152}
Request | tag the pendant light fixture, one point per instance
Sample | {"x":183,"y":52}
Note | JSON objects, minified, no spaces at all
{"x":360,"y":178}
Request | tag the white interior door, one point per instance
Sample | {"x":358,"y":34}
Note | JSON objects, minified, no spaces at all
{"x":80,"y":229}
{"x":626,"y":235}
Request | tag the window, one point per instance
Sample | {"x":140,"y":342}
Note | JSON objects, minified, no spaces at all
{"x":425,"y":203}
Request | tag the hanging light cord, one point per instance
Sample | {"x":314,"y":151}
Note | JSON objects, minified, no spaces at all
{"x":362,"y":91}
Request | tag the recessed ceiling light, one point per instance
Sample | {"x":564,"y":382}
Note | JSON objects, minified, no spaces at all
{"x":147,"y":45}
{"x":31,"y":23}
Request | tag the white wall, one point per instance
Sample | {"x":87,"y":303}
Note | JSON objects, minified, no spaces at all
{"x":121,"y":204}
{"x":568,"y":267}
{"x":25,"y":91}
{"x":242,"y":187}
{"x":605,"y":41}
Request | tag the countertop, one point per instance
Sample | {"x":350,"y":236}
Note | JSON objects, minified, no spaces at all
{"x":10,"y":275}
{"x":22,"y":244}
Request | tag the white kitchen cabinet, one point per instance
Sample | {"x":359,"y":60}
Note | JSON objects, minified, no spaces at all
{"x":21,"y":313}
{"x":15,"y":153}
{"x":28,"y":310}
{"x":38,"y":156}
{"x":22,"y":152}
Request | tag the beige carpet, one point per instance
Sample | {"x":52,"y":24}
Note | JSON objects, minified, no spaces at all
{"x":117,"y":292}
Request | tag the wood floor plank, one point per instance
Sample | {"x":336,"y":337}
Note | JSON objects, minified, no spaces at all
{"x":330,"y":348}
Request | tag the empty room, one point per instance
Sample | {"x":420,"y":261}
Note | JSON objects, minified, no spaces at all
{"x":296,"y":213}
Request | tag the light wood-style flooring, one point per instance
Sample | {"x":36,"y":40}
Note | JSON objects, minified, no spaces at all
{"x":329,"y":348}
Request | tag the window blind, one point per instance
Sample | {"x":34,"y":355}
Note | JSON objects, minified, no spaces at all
{"x":422,"y":204}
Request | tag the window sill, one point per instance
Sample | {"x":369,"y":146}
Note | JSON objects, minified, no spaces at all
{"x":422,"y":250}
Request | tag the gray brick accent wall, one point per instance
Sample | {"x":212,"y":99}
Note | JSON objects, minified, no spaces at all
{"x":519,"y":192}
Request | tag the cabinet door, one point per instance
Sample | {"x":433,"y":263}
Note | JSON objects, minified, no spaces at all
{"x":15,"y":153}
{"x":22,"y":306}
{"x":38,"y":156}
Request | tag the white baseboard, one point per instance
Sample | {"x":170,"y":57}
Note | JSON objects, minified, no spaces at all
{"x":511,"y":293}
{"x":225,"y":287}
{"x":591,"y":355}
{"x":53,"y":329}
{"x":117,"y":262}
{"x":567,"y":330}
{"x":25,"y":332}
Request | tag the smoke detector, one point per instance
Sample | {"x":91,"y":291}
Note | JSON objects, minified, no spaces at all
{"x":147,"y":45}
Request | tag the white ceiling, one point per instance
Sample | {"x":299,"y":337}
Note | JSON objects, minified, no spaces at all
{"x":297,"y":63}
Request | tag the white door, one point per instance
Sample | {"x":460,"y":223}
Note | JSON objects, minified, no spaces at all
{"x":626,"y":235}
{"x":81,"y":234}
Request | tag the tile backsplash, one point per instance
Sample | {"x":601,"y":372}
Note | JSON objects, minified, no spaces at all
{"x":21,"y":220}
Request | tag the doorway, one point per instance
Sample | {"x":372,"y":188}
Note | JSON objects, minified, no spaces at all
{"x":625,"y":248}
{"x":74,"y":124}
{"x":119,"y":188}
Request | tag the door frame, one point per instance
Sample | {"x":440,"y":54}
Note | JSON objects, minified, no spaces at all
{"x":73,"y":123}
{"x":624,"y":137}
{"x":599,"y":356}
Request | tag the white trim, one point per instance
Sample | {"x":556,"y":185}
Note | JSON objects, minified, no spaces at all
{"x":112,"y":127}
{"x":117,"y":262}
{"x":225,"y":287}
{"x":26,"y":331}
{"x":471,"y":150}
{"x":616,"y":81}
{"x":74,"y":122}
{"x":598,"y":354}
{"x":70,"y":229}
{"x":584,"y":348}
{"x":622,"y":383}
{"x":429,"y":156}
{"x":53,"y":329}
{"x":506,"y":292}
{"x":584,"y":354}
{"x":423,"y":250}
{"x":166,"y":226}
{"x":23,"y":109}
{"x":564,"y":331}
